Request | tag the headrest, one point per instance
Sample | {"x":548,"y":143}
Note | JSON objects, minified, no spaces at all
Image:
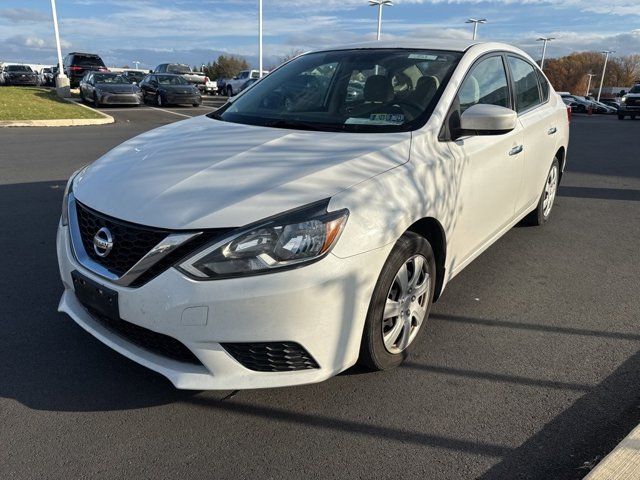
{"x":427,"y":83}
{"x":378,"y":88}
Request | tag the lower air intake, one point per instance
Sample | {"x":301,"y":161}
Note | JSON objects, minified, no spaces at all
{"x":271,"y":356}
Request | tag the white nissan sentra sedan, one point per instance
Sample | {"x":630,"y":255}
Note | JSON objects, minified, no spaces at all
{"x":310,"y":223}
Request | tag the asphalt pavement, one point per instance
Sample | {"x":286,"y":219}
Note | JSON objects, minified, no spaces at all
{"x":528,"y":367}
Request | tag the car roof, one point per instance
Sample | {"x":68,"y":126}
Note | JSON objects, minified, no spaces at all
{"x":452,"y":45}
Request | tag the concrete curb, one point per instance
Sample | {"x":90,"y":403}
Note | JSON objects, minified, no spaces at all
{"x":62,"y":122}
{"x":623,"y":463}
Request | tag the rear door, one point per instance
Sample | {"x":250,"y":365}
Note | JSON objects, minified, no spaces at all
{"x":536,"y":116}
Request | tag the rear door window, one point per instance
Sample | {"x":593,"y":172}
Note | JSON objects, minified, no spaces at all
{"x":525,"y":81}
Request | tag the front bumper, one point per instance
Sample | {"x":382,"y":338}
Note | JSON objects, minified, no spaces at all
{"x":22,"y":81}
{"x":120,"y":99}
{"x":321,"y":307}
{"x":178,"y":99}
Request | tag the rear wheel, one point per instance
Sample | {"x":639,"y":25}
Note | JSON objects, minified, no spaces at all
{"x":400,"y":303}
{"x":620,"y":117}
{"x":541,"y":214}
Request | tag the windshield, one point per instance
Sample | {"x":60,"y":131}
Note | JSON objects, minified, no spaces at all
{"x":106,"y":78}
{"x":18,"y":68}
{"x":360,"y":90}
{"x":635,"y":89}
{"x":180,"y":69}
{"x":171,"y":80}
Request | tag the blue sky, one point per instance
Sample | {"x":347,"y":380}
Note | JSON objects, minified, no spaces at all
{"x":154,"y":31}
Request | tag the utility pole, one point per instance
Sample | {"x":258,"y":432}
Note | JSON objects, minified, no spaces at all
{"x":62,"y":82}
{"x":590,"y":75}
{"x":475,"y":22}
{"x":544,"y":41}
{"x":604,"y":70}
{"x":380,"y":4}
{"x":260,"y":38}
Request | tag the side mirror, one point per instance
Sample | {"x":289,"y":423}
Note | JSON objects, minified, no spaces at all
{"x":484,"y":119}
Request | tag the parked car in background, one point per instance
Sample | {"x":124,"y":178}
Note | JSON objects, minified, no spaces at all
{"x":247,"y":84}
{"x":580,"y":104}
{"x":280,"y":244}
{"x":234,"y":85}
{"x":46,"y":76}
{"x":76,"y":64}
{"x":195,"y":78}
{"x":134,"y":76}
{"x":630,"y":103}
{"x":105,"y":88}
{"x":211,"y":87}
{"x":611,"y":103}
{"x":169,"y":89}
{"x":20,"y":75}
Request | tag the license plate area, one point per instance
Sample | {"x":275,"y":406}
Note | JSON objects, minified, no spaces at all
{"x":95,"y":296}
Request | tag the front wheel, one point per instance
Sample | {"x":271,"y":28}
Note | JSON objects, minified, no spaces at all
{"x":159,"y":101}
{"x":400,"y":303}
{"x":96,"y":100}
{"x":620,"y":117}
{"x":541,"y":214}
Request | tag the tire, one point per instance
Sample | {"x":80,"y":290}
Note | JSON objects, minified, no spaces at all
{"x":229,"y":91}
{"x":96,"y":102}
{"x":195,"y":104}
{"x":159,"y":101}
{"x":386,"y":343}
{"x":82,"y":99}
{"x":540,"y":215}
{"x":620,"y":117}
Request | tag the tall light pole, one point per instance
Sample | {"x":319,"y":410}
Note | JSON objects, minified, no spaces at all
{"x":544,"y":41}
{"x":604,"y":69}
{"x":475,"y":22}
{"x":137,"y":63}
{"x":62,"y":82}
{"x":380,"y":4}
{"x":260,"y":38}
{"x":590,"y":75}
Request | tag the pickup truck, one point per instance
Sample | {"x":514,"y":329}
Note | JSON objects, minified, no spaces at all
{"x":234,"y":85}
{"x":196,"y":78}
{"x":630,"y":103}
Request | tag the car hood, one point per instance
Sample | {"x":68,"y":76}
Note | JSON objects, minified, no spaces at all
{"x":17,"y":74}
{"x":110,"y":88}
{"x":205,"y":173}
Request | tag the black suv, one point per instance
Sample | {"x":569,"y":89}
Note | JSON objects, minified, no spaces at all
{"x":630,"y":103}
{"x":77,"y":64}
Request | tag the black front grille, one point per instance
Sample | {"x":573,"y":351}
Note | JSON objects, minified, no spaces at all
{"x":271,"y":356}
{"x":155,"y":342}
{"x":131,"y":242}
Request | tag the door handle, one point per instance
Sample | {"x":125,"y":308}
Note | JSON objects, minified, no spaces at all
{"x":516,"y":150}
{"x":552,"y":130}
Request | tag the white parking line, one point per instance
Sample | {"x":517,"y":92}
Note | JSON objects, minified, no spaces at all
{"x":169,"y":111}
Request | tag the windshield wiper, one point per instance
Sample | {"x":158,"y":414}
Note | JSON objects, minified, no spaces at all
{"x":298,"y":125}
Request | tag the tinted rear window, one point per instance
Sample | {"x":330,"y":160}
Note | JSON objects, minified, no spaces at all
{"x":87,"y":60}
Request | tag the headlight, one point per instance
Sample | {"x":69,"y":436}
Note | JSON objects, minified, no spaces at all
{"x":624,"y":99}
{"x":287,"y":241}
{"x":65,"y":199}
